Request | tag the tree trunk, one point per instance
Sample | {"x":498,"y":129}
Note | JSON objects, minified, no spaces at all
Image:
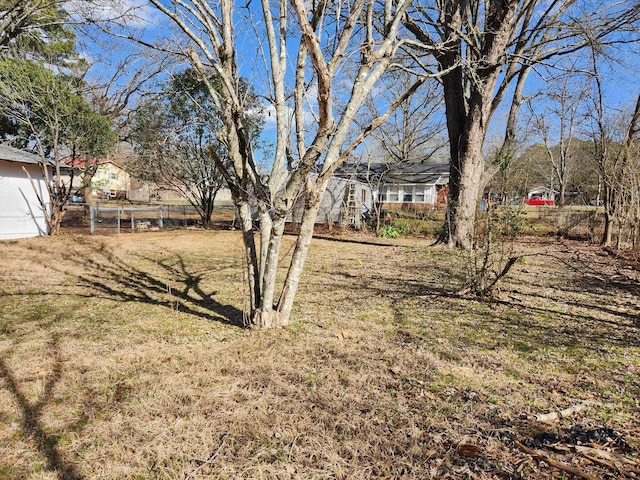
{"x":466,"y":179}
{"x":265,"y":315}
{"x":285,"y":304}
{"x":57,"y":214}
{"x":464,"y":208}
{"x":607,"y":234}
{"x":261,"y":268}
{"x":87,"y":200}
{"x":251,"y":258}
{"x":562,"y":191}
{"x":468,"y":95}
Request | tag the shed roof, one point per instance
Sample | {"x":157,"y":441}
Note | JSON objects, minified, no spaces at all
{"x":11,"y":154}
{"x":426,"y":173}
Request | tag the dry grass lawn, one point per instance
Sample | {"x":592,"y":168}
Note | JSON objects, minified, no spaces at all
{"x":124,"y":358}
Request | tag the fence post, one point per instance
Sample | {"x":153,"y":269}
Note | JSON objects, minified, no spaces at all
{"x":160,"y":219}
{"x":133,"y":225}
{"x":92,"y":215}
{"x":118,"y":217}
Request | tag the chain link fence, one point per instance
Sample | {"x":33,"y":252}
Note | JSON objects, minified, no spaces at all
{"x":112,"y":218}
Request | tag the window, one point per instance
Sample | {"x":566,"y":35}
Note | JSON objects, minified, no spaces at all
{"x":430,"y":195}
{"x":364,"y":196}
{"x":418,"y":194}
{"x":407,"y":195}
{"x":393,"y":194}
{"x":113,"y":176}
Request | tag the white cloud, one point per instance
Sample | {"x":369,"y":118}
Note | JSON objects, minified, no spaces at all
{"x":132,"y":13}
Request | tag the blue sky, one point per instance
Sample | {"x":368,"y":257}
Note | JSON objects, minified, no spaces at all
{"x":621,"y":81}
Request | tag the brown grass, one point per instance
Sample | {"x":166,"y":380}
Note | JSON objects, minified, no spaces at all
{"x":122,"y":358}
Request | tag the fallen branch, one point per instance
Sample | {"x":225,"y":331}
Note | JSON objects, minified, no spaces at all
{"x":556,"y":463}
{"x":553,"y":416}
{"x":610,"y":460}
{"x":611,"y":466}
{"x":604,"y":455}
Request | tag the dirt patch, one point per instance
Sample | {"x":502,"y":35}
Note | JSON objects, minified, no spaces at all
{"x":121,"y":357}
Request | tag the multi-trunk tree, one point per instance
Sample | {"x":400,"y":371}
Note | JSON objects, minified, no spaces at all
{"x":314,"y":63}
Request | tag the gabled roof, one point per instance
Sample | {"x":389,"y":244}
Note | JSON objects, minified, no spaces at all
{"x":425,"y":173}
{"x":11,"y":154}
{"x":81,"y":164}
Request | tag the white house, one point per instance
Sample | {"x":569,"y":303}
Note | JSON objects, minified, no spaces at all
{"x":21,"y":213}
{"x":407,"y":185}
{"x":343,"y":203}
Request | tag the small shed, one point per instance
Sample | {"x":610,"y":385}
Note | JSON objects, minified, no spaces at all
{"x":21,"y":213}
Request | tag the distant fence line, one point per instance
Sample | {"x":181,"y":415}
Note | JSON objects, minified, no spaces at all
{"x":140,"y":218}
{"x":116,"y":218}
{"x":109,"y":218}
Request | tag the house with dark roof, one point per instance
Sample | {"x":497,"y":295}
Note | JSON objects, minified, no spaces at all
{"x":23,"y":195}
{"x":406,"y":185}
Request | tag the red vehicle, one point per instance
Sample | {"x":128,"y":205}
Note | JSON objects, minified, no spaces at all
{"x":537,"y":200}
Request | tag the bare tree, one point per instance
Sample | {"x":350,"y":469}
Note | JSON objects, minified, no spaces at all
{"x":116,"y":95}
{"x":482,"y":48}
{"x":556,"y":120}
{"x":617,"y":162}
{"x":321,"y":60}
{"x":415,"y":130}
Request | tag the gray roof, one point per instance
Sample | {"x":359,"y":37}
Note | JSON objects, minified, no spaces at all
{"x":425,"y":173}
{"x":11,"y":154}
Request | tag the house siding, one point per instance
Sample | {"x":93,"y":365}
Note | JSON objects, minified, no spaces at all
{"x":109,"y":181}
{"x":21,"y":214}
{"x":333,"y":206}
{"x":112,"y":179}
{"x":415,"y":185}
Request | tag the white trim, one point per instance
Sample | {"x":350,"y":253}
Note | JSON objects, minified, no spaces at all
{"x":429,"y":192}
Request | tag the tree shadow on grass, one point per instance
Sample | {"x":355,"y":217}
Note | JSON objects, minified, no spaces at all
{"x":107,"y":275}
{"x":538,"y":320}
{"x":31,"y":421}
